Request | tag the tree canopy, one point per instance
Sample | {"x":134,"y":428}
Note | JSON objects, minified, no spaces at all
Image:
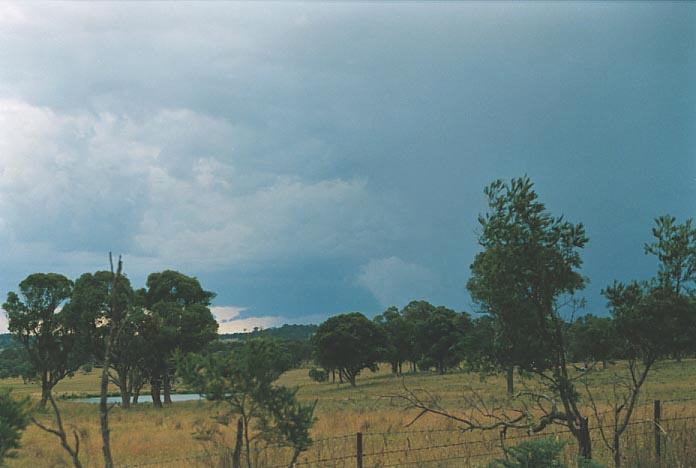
{"x":37,"y":321}
{"x":348,"y":343}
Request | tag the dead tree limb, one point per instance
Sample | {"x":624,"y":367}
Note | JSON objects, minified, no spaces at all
{"x":115,"y":324}
{"x":74,"y":452}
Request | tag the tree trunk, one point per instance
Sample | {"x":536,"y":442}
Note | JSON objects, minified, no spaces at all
{"x":246,"y":442}
{"x":155,"y":387}
{"x":137,"y":383}
{"x":103,"y":408}
{"x":45,"y":389}
{"x":237,"y":454}
{"x":295,"y":455}
{"x":617,"y":451}
{"x":510,"y":378}
{"x":584,"y":440}
{"x":125,"y":399}
{"x":124,"y":385}
{"x":167,"y":384}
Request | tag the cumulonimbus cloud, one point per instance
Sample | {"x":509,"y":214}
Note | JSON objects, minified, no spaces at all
{"x":394,"y":281}
{"x":84,"y":182}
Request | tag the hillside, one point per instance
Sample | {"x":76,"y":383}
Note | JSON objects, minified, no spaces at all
{"x":284,"y":332}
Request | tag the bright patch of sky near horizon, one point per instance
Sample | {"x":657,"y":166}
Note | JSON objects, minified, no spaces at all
{"x":308,"y":159}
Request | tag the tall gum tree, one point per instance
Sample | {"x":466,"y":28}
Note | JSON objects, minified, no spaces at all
{"x":528,"y":269}
{"x":37,"y":321}
{"x":181,"y":311}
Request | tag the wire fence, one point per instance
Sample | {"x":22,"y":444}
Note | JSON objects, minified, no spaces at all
{"x":651,"y":439}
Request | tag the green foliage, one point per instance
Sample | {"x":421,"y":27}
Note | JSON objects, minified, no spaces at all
{"x":397,"y":346}
{"x":348,"y":343}
{"x":442,"y":341}
{"x":248,"y":369}
{"x":245,"y":378}
{"x":14,"y":362}
{"x":593,"y":339}
{"x":528,"y":268}
{"x":179,"y":320}
{"x":172,"y":286}
{"x":46,"y":332}
{"x":7,"y":341}
{"x":657,"y":318}
{"x":542,"y":453}
{"x":89,"y":310}
{"x":529,"y":259}
{"x":14,"y":417}
{"x":318,"y":375}
{"x":424,"y":334}
{"x":285,"y":420}
{"x":589,"y":463}
{"x":298,"y":352}
{"x":480,"y":347}
{"x":675,"y":248}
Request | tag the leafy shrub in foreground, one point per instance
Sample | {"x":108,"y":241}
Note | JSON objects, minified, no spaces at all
{"x":13,"y":419}
{"x":543,"y":453}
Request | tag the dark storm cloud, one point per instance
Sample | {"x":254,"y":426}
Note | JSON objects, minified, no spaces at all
{"x":306,"y":159}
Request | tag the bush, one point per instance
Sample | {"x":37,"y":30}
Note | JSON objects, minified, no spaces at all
{"x":318,"y":375}
{"x":585,"y":463}
{"x":13,"y":419}
{"x":543,"y":453}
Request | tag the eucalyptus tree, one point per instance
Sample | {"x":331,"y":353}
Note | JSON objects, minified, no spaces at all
{"x":416,"y":314}
{"x":348,"y":343}
{"x":397,"y":338}
{"x":443,"y":334}
{"x":527,"y":270}
{"x":38,"y":323}
{"x":91,"y":310}
{"x":182,"y":322}
{"x":593,"y":339}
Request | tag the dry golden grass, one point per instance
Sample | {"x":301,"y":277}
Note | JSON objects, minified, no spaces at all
{"x":146,"y":435}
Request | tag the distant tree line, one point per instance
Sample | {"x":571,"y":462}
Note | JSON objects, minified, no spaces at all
{"x":288,"y":332}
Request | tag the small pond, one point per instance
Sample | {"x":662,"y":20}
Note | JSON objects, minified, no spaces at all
{"x":143,"y":398}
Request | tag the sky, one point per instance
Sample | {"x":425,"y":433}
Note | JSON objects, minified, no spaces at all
{"x":307,"y":159}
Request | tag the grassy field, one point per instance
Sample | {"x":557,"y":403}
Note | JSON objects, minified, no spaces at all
{"x":144,"y":435}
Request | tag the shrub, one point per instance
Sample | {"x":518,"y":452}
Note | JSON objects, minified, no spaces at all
{"x":585,"y":463}
{"x":13,"y":419}
{"x":318,"y":375}
{"x":543,"y":453}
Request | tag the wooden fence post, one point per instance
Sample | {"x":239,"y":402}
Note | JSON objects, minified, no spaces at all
{"x":658,"y":429}
{"x":359,"y":449}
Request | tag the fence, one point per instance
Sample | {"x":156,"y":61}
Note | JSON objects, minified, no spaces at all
{"x":659,"y":434}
